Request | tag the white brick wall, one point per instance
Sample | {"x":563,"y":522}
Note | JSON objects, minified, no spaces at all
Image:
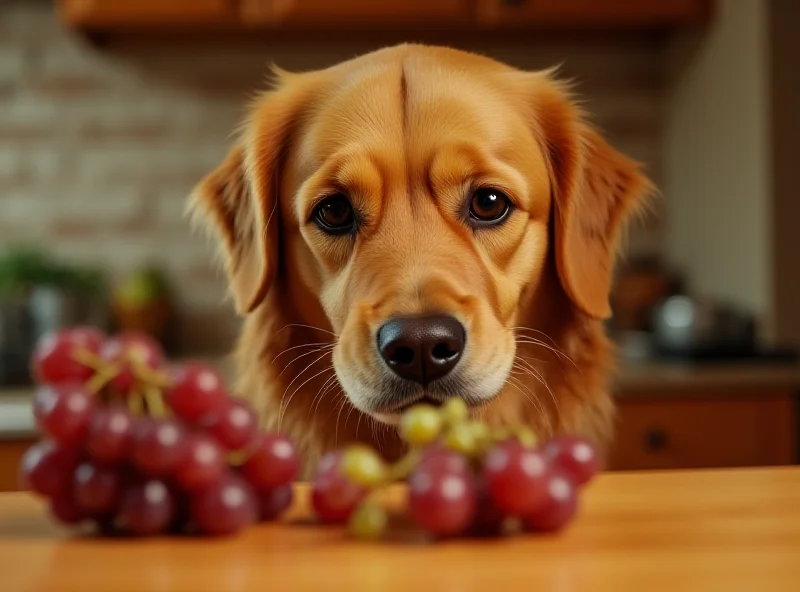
{"x":99,"y":148}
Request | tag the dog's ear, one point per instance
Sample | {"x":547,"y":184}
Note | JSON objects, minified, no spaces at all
{"x":238,"y":201}
{"x":595,"y":190}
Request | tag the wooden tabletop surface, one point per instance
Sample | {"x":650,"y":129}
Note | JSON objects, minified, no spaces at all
{"x":644,"y":532}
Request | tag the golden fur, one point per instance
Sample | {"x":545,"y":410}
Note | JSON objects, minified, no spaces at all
{"x":407,"y":132}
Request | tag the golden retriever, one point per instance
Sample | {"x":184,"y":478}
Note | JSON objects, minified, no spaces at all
{"x":415,"y":224}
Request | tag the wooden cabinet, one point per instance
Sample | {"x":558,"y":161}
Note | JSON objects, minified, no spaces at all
{"x":583,"y":13}
{"x":11,"y":452}
{"x":706,"y":429}
{"x":367,"y":12}
{"x":123,"y":13}
{"x":370,"y":15}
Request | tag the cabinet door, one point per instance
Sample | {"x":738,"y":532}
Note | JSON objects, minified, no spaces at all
{"x":705,"y":430}
{"x":343,"y":12}
{"x":137,"y":12}
{"x":589,"y":13}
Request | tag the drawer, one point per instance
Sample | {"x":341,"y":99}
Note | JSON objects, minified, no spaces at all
{"x":11,"y":452}
{"x":705,"y":431}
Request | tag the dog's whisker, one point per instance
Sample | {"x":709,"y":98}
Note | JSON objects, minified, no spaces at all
{"x":301,"y":326}
{"x":326,"y":386}
{"x":288,"y":349}
{"x":283,"y":396}
{"x":313,"y":351}
{"x":294,"y":392}
{"x":325,"y":391}
{"x":529,"y":395}
{"x":338,"y":416}
{"x":534,"y":372}
{"x":531,"y":341}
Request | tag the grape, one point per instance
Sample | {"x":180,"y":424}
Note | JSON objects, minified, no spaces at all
{"x":63,"y":411}
{"x":225,"y":507}
{"x":420,"y":425}
{"x":274,"y":502}
{"x":158,"y":446}
{"x":334,"y":496}
{"x":516,"y":477}
{"x":464,"y":438}
{"x":53,"y":360}
{"x":442,"y":503}
{"x":65,"y":509}
{"x":574,"y":455}
{"x":368,"y":521}
{"x":122,"y":349}
{"x":97,"y":489}
{"x":47,"y":467}
{"x":560,"y":505}
{"x":363,"y":466}
{"x":454,"y":411}
{"x":234,"y":426}
{"x":196,"y":390}
{"x":445,"y":461}
{"x":147,"y":508}
{"x":109,"y":438}
{"x":203,"y":464}
{"x":272,"y":463}
{"x":488,"y":517}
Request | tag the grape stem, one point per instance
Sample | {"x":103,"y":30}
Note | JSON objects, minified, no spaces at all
{"x":403,"y":467}
{"x":135,"y":402}
{"x":155,"y":401}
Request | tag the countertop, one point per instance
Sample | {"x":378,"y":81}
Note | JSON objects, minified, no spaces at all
{"x":732,"y":530}
{"x":632,"y":380}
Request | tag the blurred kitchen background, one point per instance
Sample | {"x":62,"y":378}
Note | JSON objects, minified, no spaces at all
{"x":110,"y":111}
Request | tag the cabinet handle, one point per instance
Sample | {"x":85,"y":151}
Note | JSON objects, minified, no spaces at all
{"x":655,"y":440}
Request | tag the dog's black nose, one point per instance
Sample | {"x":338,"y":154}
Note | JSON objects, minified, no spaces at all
{"x":421,"y":349}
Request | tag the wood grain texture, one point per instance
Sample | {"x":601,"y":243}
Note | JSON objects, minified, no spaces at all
{"x":736,"y":530}
{"x":11,"y":452}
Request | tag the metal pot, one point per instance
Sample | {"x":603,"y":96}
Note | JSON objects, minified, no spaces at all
{"x":684,"y":325}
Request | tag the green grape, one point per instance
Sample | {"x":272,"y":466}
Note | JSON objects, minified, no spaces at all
{"x":420,"y":425}
{"x":462,"y":438}
{"x":363,"y":466}
{"x":527,"y":438}
{"x":368,"y":521}
{"x":454,"y":411}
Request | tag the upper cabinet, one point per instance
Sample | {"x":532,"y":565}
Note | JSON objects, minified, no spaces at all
{"x":131,"y":13}
{"x":298,"y":13}
{"x":372,"y":16}
{"x":592,"y":13}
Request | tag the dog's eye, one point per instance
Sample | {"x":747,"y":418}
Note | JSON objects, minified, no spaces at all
{"x":489,"y":206}
{"x":335,"y":215}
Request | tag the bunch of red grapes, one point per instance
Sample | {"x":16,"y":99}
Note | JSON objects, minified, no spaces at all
{"x":139,"y":447}
{"x":463,"y":478}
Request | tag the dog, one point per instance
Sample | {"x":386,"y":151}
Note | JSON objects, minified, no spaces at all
{"x":415,"y":224}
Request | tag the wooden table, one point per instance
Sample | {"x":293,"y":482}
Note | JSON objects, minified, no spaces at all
{"x":644,"y":532}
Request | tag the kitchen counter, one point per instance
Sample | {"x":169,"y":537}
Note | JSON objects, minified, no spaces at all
{"x":734,"y":530}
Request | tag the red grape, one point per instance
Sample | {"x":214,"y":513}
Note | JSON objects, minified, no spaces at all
{"x":443,"y":503}
{"x":334,"y":496}
{"x":53,"y":361}
{"x":225,"y":507}
{"x":65,"y":509}
{"x":146,"y":509}
{"x":272,"y":463}
{"x":109,"y":438}
{"x":488,"y":517}
{"x":203,"y":464}
{"x":234,"y":426}
{"x":274,"y":502}
{"x":196,"y":390}
{"x":47,"y":468}
{"x":97,"y":489}
{"x":122,"y":350}
{"x":444,"y":460}
{"x":560,"y":504}
{"x":158,"y":446}
{"x":516,"y":477}
{"x":64,"y":411}
{"x":574,"y":455}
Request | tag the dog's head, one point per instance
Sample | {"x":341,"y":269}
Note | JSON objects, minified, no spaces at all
{"x":413,"y":201}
